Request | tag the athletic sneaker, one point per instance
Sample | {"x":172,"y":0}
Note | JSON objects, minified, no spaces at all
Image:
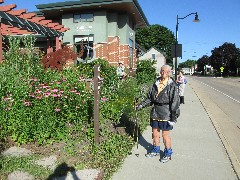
{"x":167,"y":155}
{"x":165,"y":159}
{"x":155,"y":152}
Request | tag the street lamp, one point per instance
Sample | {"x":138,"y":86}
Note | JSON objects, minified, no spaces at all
{"x":176,"y":40}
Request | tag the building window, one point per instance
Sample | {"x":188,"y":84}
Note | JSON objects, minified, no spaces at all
{"x":153,"y":56}
{"x":77,"y":18}
{"x":87,"y":41}
{"x":86,"y":17}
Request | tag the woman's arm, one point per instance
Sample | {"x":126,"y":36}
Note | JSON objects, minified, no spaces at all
{"x":174,"y":104}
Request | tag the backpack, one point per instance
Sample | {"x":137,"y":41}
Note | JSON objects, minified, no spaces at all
{"x":185,"y":81}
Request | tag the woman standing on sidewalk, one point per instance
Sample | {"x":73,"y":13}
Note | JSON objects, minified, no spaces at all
{"x":181,"y":86}
{"x":164,"y":96}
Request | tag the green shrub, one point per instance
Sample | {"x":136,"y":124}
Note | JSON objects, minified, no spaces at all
{"x":38,"y":106}
{"x":145,"y":72}
{"x":43,"y":107}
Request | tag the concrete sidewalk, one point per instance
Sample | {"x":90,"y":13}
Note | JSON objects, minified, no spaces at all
{"x":198,"y":152}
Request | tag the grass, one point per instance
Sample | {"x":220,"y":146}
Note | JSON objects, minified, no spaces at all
{"x":25,"y":164}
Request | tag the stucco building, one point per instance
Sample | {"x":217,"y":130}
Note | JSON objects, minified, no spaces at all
{"x":106,"y":27}
{"x":156,"y":55}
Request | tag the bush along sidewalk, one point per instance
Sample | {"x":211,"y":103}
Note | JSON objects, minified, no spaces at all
{"x":51,"y":113}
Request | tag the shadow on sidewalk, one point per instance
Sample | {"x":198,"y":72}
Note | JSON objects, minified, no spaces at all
{"x":61,"y":172}
{"x":144,"y":143}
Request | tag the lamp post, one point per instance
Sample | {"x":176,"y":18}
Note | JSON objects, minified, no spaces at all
{"x":176,"y":40}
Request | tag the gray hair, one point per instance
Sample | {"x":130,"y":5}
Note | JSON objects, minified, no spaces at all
{"x":168,"y":68}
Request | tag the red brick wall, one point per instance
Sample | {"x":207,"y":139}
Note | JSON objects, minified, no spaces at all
{"x":101,"y":50}
{"x":113,"y":49}
{"x":135,"y":59}
{"x":114,"y":52}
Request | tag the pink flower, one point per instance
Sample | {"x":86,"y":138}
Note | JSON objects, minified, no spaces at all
{"x":47,"y":94}
{"x":5,"y":99}
{"x":104,"y":99}
{"x":31,"y":95}
{"x":77,"y":93}
{"x":27,"y":103}
{"x":54,"y":90}
{"x":8,"y":108}
{"x":39,"y":97}
{"x":33,"y":79}
{"x":73,"y":90}
{"x":54,"y":95}
{"x":38,"y":91}
{"x":57,"y":109}
{"x":44,"y":87}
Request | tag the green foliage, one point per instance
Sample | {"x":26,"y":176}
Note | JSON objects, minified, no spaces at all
{"x":38,"y":107}
{"x":156,"y":36}
{"x":226,"y":55}
{"x":25,"y":164}
{"x":109,"y":153}
{"x":107,"y":72}
{"x":187,"y":64}
{"x":145,"y":72}
{"x":119,"y":101}
{"x":44,"y":107}
{"x":202,"y":62}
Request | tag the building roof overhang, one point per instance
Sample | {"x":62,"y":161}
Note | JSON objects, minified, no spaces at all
{"x":131,"y":7}
{"x":20,"y":22}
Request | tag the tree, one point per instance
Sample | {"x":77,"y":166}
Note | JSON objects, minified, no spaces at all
{"x":187,"y":64}
{"x":156,"y":36}
{"x":227,"y":56}
{"x":202,"y":62}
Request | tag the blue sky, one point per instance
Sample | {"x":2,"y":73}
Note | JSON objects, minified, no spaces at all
{"x":219,"y":21}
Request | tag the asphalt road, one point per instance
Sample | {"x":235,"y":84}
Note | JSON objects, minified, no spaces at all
{"x":221,"y":99}
{"x":225,"y":92}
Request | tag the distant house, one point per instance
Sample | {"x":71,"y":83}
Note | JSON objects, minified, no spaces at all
{"x":188,"y":71}
{"x":106,"y":27}
{"x":156,"y":55}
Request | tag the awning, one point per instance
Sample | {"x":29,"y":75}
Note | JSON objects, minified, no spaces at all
{"x":18,"y":21}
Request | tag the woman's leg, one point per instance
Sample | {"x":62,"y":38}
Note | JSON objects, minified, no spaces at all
{"x":156,"y":136}
{"x":168,"y":143}
{"x":166,"y":139}
{"x":156,"y":143}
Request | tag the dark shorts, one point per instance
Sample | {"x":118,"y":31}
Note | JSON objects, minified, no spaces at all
{"x":162,"y":125}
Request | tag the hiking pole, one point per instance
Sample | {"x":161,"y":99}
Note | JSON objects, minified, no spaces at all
{"x":136,"y":125}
